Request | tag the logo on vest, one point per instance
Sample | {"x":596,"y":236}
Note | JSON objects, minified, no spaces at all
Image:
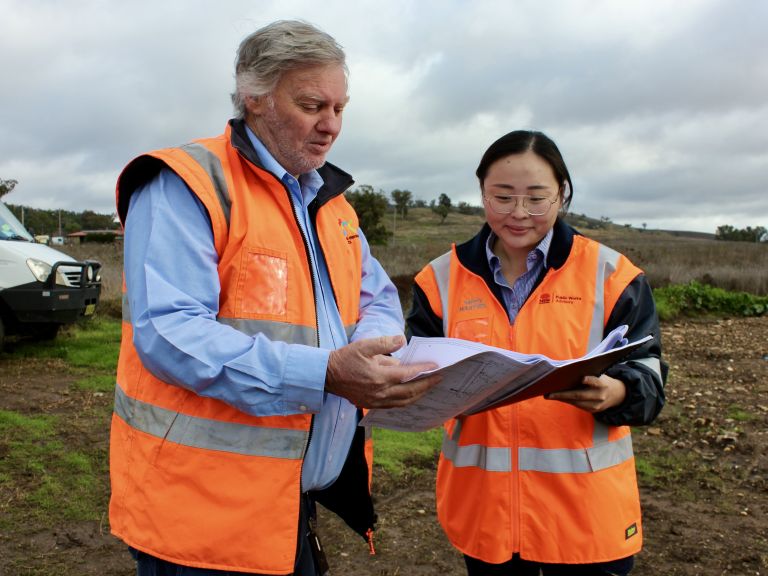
{"x":629,"y":532}
{"x":472,"y":304}
{"x":547,"y":298}
{"x":349,"y":231}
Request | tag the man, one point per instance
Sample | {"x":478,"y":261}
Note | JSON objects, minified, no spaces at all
{"x":256,"y":325}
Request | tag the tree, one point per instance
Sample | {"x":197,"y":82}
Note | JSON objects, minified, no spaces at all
{"x":6,"y":186}
{"x":402,"y":200}
{"x":442,"y":208}
{"x":370,"y":207}
{"x":47,"y":221}
{"x":748,"y":234}
{"x":90,"y":220}
{"x":467,"y":208}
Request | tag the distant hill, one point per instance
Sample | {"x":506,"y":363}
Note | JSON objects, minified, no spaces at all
{"x":583,"y":223}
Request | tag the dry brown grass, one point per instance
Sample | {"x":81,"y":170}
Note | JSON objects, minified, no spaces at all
{"x":666,"y":258}
{"x":111,"y":258}
{"x":669,"y":259}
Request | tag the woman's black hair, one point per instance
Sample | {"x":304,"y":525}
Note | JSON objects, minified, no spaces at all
{"x":521,"y":141}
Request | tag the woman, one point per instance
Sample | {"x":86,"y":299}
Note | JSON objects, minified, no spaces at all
{"x":548,"y":483}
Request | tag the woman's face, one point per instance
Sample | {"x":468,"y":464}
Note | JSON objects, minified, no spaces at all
{"x":510,"y":182}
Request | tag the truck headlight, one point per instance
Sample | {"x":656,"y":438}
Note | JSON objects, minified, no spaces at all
{"x":41,"y":270}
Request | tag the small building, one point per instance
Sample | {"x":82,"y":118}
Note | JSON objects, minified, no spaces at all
{"x":94,"y":236}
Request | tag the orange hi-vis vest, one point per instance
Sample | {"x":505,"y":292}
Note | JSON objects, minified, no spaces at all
{"x":540,"y":478}
{"x":195,"y":481}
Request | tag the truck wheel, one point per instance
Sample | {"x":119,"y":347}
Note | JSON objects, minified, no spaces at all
{"x":46,"y":331}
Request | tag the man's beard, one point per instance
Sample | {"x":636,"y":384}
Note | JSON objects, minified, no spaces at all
{"x":299,"y":162}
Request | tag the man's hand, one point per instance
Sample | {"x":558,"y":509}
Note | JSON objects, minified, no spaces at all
{"x":363,"y":374}
{"x":595,"y":395}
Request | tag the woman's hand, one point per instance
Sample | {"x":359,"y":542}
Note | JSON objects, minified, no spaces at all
{"x":595,"y":394}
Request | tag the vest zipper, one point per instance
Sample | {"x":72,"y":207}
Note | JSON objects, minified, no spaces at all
{"x":515,"y":479}
{"x":308,"y":254}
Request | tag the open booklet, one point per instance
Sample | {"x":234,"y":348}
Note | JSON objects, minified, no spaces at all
{"x":476,"y":377}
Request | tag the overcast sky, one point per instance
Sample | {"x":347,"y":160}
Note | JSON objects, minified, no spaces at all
{"x":659,"y":107}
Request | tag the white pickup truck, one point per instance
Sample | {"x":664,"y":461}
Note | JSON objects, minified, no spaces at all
{"x":41,"y":288}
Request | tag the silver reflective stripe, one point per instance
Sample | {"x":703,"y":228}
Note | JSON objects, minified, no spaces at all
{"x":607,"y":261}
{"x":442,"y":269}
{"x":610,"y":454}
{"x":278,"y":331}
{"x":562,"y":461}
{"x":212,"y":165}
{"x":477,"y":455}
{"x":603,"y":454}
{"x":651,"y":363}
{"x":281,"y":331}
{"x":209,"y":434}
{"x":556,"y":461}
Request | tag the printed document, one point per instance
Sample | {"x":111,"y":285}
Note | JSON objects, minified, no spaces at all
{"x":476,"y":377}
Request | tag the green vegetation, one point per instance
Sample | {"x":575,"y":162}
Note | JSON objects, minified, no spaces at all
{"x":49,"y":468}
{"x":748,"y":234}
{"x":51,"y":222}
{"x":442,"y":208}
{"x":696,"y":299}
{"x":91,"y":345}
{"x":397,"y":452}
{"x":403,"y":201}
{"x":6,"y":186}
{"x":668,"y":469}
{"x":739,"y":414}
{"x":45,"y":474}
{"x":371,"y":207}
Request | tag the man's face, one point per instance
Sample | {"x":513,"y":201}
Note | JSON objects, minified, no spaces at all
{"x":299,"y":121}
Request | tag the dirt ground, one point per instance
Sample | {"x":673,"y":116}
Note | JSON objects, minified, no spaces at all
{"x":704,"y":483}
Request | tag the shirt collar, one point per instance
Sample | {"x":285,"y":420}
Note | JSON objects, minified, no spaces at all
{"x":311,"y":179}
{"x":542,"y":247}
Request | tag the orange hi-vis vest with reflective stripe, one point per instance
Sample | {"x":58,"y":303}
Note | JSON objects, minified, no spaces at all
{"x":195,"y":481}
{"x":540,"y":478}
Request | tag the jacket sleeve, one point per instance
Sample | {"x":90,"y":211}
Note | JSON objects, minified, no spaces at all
{"x":422,"y":320}
{"x":643,"y":372}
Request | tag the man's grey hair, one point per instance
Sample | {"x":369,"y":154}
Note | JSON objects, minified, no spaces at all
{"x":264,"y":55}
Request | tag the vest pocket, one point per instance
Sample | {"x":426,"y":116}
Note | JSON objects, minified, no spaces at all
{"x":475,"y":329}
{"x":263,"y":286}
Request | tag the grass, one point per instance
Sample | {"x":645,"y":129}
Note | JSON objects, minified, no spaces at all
{"x":665,"y":469}
{"x":49,"y":469}
{"x":738,"y":414}
{"x":91,"y":344}
{"x":47,"y":478}
{"x":696,"y":299}
{"x":396,"y":452}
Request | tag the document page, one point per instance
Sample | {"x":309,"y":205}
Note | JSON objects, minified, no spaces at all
{"x":477,"y":377}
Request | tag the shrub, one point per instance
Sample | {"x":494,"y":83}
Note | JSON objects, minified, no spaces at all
{"x":696,"y":299}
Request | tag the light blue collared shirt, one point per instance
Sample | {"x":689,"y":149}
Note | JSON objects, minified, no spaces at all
{"x":173,"y":292}
{"x":515,"y":296}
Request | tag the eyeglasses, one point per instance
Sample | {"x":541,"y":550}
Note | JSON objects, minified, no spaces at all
{"x":532,"y":205}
